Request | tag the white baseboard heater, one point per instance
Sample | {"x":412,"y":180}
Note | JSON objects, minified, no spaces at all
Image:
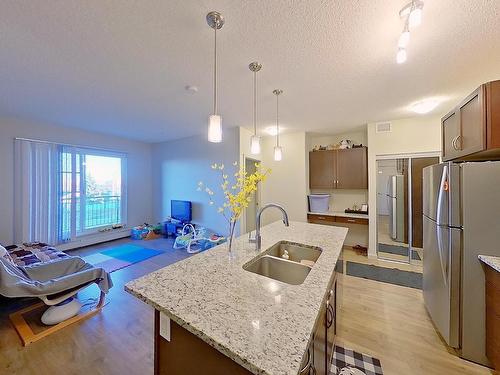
{"x":93,"y":239}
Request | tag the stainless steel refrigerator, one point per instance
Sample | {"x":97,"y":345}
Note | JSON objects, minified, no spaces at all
{"x":461,"y":207}
{"x":396,"y":205}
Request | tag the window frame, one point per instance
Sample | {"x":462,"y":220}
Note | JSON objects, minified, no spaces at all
{"x":74,"y":232}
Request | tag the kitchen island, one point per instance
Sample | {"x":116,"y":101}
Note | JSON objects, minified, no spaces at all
{"x":241,"y":320}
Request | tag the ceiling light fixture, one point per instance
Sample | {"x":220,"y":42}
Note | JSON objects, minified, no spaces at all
{"x":215,"y":21}
{"x":424,"y":106}
{"x":412,"y":14}
{"x":255,"y":139}
{"x":401,"y":56}
{"x":404,"y":38}
{"x":278,"y":152}
{"x":271,"y":130}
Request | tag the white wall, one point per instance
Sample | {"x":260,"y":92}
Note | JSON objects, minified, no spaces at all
{"x":287,"y":183}
{"x":245,"y":136}
{"x":358,"y":136}
{"x":138,"y":167}
{"x":341,"y":199}
{"x":181,"y":164}
{"x":408,"y":136}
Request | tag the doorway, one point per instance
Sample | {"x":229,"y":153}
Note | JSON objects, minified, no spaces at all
{"x":253,"y":207}
{"x":399,"y":208}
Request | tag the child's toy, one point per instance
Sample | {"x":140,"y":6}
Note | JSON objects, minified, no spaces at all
{"x":146,"y":232}
{"x":195,"y":240}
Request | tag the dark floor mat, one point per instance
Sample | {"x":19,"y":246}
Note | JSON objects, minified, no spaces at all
{"x":385,"y":275}
{"x":344,"y":357}
{"x":398,"y":250}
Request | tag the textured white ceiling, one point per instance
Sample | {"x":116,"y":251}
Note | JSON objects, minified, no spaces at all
{"x":120,"y":66}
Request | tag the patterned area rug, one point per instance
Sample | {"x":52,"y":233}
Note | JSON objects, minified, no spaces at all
{"x":345,"y":360}
{"x":116,"y":258}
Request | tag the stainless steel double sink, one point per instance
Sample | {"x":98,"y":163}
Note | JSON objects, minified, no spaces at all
{"x":272,"y":262}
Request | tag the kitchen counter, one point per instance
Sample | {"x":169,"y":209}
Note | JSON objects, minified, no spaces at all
{"x":262,"y":324}
{"x":340,"y":214}
{"x":493,"y":262}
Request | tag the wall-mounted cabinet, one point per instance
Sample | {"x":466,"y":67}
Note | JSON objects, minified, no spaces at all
{"x":471,"y":131}
{"x":339,"y":169}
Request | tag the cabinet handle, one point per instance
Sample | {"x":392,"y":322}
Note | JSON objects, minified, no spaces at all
{"x":321,"y":218}
{"x":454,"y":142}
{"x":330,"y":316}
{"x":351,"y":220}
{"x":308,"y":364}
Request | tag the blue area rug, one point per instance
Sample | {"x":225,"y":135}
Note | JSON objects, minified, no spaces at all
{"x":116,"y":258}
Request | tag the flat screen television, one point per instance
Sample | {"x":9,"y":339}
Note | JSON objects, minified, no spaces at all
{"x":180,"y":210}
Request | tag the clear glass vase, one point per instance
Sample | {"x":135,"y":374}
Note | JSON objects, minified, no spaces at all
{"x":230,"y":238}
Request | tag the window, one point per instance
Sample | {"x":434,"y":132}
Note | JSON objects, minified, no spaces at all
{"x":92,"y":191}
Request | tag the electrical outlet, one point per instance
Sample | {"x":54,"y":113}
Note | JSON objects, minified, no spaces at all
{"x":164,"y":326}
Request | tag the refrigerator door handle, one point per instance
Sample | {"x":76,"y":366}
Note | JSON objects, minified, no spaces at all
{"x":440,"y":195}
{"x":440,"y":251}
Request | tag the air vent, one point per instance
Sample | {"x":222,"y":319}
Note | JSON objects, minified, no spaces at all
{"x":383,"y":127}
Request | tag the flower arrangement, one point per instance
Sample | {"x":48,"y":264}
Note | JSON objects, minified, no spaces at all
{"x":237,"y":190}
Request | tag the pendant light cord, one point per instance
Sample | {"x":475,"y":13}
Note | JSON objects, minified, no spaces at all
{"x":215,"y":71}
{"x":277,"y":122}
{"x":255,"y":103}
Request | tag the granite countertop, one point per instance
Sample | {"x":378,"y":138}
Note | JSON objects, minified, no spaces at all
{"x":340,"y":214}
{"x":493,"y":262}
{"x":262,"y":324}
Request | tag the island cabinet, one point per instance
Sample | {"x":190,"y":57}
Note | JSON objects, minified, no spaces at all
{"x":318,"y":358}
{"x":339,"y":169}
{"x":471,"y":131}
{"x":493,"y":316}
{"x":179,"y":352}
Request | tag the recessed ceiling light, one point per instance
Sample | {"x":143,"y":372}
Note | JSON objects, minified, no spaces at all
{"x":271,"y":130}
{"x":424,"y":106}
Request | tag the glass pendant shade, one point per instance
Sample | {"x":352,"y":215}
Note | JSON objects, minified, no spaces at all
{"x":404,"y":39}
{"x":215,"y":129}
{"x":401,"y":56}
{"x":278,"y":154}
{"x":415,"y":17}
{"x":255,"y":145}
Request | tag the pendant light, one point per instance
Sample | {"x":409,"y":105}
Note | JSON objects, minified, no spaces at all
{"x":255,"y":139}
{"x":215,"y":20}
{"x":278,"y":152}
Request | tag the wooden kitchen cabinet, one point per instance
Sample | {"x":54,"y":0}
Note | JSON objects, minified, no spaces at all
{"x":493,"y":316}
{"x":471,"y":131}
{"x":322,"y":173}
{"x":320,"y":348}
{"x":352,"y":168}
{"x":318,"y":359}
{"x":451,"y":133}
{"x":331,"y":322}
{"x":339,"y":169}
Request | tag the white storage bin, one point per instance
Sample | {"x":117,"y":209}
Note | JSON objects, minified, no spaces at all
{"x":319,"y":202}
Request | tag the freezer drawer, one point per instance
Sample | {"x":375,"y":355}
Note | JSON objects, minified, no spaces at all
{"x":441,"y":278}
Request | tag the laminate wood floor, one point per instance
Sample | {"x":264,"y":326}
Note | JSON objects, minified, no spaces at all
{"x":390,"y":323}
{"x":386,"y":321}
{"x":116,"y":341}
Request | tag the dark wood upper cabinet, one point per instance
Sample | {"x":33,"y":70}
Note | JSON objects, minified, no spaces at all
{"x":471,"y":131}
{"x":352,"y":168}
{"x":339,"y":169}
{"x":322,"y":169}
{"x":451,"y":134}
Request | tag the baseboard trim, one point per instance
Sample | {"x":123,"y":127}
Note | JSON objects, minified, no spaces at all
{"x":95,"y":239}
